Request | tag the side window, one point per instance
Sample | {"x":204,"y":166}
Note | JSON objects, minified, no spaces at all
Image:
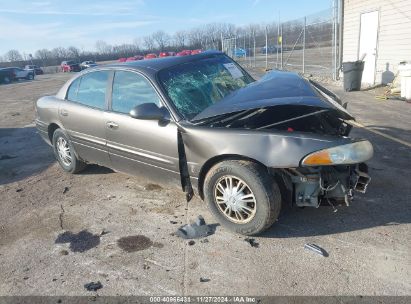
{"x":92,"y":89}
{"x":72,"y":91}
{"x":131,"y":89}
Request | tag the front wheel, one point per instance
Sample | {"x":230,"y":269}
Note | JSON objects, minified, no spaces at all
{"x":64,"y":152}
{"x":242,"y":196}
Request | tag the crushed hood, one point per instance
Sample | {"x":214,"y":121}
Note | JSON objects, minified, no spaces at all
{"x":275,"y":88}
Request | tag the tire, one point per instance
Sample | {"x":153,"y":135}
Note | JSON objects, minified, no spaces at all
{"x":30,"y":77}
{"x":68,"y":159}
{"x":6,"y":80}
{"x":261,"y":192}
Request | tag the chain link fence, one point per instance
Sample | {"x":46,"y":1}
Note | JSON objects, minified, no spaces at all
{"x":306,"y":45}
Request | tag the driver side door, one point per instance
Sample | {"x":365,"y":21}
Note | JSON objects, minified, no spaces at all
{"x":140,"y":147}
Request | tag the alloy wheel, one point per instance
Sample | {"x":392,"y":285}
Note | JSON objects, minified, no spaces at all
{"x":234,"y":199}
{"x":63,"y":150}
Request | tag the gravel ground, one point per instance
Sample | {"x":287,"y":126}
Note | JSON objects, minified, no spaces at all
{"x":60,"y":231}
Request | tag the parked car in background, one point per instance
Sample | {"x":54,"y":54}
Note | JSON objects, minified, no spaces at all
{"x":70,"y":66}
{"x":203,"y":124}
{"x":6,"y":75}
{"x":134,"y":58}
{"x":150,"y":56}
{"x":37,"y":69}
{"x":19,"y":73}
{"x":163,"y":54}
{"x":87,"y":64}
{"x":239,"y":52}
{"x":184,"y":53}
{"x":122,"y":59}
{"x":195,"y":52}
{"x":271,"y":49}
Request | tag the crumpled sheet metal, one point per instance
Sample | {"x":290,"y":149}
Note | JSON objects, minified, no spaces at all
{"x":196,"y":230}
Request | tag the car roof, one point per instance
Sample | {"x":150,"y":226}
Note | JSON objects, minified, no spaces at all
{"x":157,"y":64}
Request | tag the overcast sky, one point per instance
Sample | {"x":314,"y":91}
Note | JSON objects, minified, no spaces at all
{"x":28,"y":25}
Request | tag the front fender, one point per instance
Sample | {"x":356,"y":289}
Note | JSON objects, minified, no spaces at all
{"x":273,"y":149}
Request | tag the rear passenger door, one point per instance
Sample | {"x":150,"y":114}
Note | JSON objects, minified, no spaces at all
{"x":140,"y":147}
{"x":82,"y":115}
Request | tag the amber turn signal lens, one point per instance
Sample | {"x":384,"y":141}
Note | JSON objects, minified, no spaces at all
{"x":318,"y":158}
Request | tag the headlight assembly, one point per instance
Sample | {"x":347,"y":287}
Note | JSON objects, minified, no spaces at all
{"x":353,"y":153}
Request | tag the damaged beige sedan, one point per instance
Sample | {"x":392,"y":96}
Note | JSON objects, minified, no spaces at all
{"x":204,"y":124}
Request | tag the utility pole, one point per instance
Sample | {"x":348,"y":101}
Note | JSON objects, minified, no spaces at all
{"x":278,"y":39}
{"x":281,"y":38}
{"x":266,"y":49}
{"x":305,"y":25}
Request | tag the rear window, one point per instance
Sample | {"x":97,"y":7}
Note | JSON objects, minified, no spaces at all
{"x":90,"y":89}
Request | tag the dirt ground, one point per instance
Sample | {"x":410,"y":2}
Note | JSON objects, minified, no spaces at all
{"x":59,"y":232}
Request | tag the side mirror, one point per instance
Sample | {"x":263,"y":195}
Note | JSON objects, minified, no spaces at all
{"x":148,"y":111}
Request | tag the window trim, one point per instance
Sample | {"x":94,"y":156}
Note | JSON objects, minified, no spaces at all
{"x":110,"y":105}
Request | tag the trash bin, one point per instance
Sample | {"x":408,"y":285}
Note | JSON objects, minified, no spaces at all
{"x":352,"y":75}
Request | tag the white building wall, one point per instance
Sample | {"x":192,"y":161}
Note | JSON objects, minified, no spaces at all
{"x":394,"y":33}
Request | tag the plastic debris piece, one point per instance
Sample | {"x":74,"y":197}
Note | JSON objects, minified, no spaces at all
{"x":191,"y":243}
{"x":252,"y":242}
{"x":198,"y":229}
{"x":316,"y":249}
{"x":93,"y":286}
{"x":203,"y":280}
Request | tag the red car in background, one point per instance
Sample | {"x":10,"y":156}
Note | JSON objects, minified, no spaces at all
{"x":70,"y":66}
{"x":134,"y":58}
{"x":164,"y":54}
{"x":122,"y":59}
{"x":150,"y":56}
{"x":184,"y":53}
{"x":195,"y":52}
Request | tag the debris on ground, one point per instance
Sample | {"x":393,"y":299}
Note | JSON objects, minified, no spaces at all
{"x":104,"y":232}
{"x":110,"y":196}
{"x":191,"y":243}
{"x":134,"y":243}
{"x":145,"y":267}
{"x":198,"y":229}
{"x":173,"y":222}
{"x":65,"y":190}
{"x":252,"y":242}
{"x":19,"y":189}
{"x":79,"y":242}
{"x":204,"y":241}
{"x":152,"y":187}
{"x":64,"y":252}
{"x":317,"y":249}
{"x":93,"y":286}
{"x":203,"y":280}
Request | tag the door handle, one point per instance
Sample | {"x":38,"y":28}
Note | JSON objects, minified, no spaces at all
{"x":63,"y":112}
{"x":112,"y":125}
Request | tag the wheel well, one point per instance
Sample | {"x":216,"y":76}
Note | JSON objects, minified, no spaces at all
{"x":215,"y":160}
{"x":52,"y":127}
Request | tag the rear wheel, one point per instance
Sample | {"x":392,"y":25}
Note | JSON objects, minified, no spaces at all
{"x":30,"y":76}
{"x":242,"y":196}
{"x":64,"y":152}
{"x":6,"y":80}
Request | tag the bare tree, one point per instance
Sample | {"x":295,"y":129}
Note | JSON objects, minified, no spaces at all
{"x":180,"y":39}
{"x":103,"y":48}
{"x":161,"y":38}
{"x":149,"y":42}
{"x":74,"y":52}
{"x":13,"y":55}
{"x":60,"y":53}
{"x":44,"y":55}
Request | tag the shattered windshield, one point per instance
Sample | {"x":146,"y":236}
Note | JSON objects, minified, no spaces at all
{"x":194,"y":86}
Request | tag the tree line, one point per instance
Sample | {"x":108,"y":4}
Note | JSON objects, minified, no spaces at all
{"x":208,"y":36}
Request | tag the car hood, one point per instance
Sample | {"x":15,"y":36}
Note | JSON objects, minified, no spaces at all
{"x":275,"y":88}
